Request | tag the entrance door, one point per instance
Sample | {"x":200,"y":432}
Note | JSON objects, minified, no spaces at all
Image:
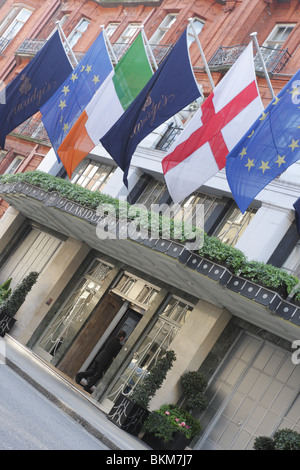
{"x":249,"y":395}
{"x":90,"y":334}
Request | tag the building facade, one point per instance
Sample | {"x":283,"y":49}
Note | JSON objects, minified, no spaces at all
{"x":166,"y":296}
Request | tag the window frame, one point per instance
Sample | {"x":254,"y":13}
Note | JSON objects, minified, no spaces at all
{"x":76,"y":30}
{"x":163,"y":28}
{"x":11,"y":21}
{"x":276,"y":44}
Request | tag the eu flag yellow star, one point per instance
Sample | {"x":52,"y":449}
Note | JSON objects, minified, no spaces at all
{"x":294,"y":144}
{"x":280,"y":160}
{"x":250,"y":164}
{"x":62,"y":104}
{"x":264,"y":166}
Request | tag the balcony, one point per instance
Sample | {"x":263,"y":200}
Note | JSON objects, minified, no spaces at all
{"x":224,"y":57}
{"x":31,"y":46}
{"x":3,"y":44}
{"x":33,"y":128}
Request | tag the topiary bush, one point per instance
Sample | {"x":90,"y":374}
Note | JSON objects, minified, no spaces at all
{"x":12,"y":304}
{"x":146,"y":389}
{"x":5,"y":291}
{"x":284,"y":439}
{"x":194,"y":385}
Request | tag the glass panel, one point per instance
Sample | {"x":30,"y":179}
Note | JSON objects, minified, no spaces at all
{"x":151,"y":349}
{"x":17,"y":24}
{"x":152,"y":193}
{"x":92,"y":175}
{"x":235,"y":225}
{"x":72,"y":316}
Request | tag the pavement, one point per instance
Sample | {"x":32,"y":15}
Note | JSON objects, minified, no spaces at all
{"x":67,"y":395}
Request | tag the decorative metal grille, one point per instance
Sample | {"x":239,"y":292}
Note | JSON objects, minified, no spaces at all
{"x":3,"y":44}
{"x":73,"y":314}
{"x":168,"y":138}
{"x":275,"y":59}
{"x":157,"y":341}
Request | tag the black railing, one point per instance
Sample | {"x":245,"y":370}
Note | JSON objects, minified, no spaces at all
{"x":275,"y":59}
{"x":168,"y":138}
{"x":3,"y":44}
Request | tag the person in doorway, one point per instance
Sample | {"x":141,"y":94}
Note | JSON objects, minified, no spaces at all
{"x":101,"y":362}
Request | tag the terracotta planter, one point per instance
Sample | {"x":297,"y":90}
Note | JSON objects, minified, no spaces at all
{"x":179,"y":442}
{"x":127,"y":415}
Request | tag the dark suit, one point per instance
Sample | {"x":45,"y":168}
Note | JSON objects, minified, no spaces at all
{"x":101,"y":363}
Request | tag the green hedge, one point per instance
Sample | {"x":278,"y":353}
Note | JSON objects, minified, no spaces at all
{"x":213,"y":249}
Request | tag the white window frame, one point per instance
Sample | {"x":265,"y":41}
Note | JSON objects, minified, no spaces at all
{"x":111,"y":28}
{"x":277,"y":43}
{"x":77,"y":33}
{"x":163,"y":28}
{"x":14,"y":20}
{"x":15,"y":164}
{"x":198,"y":25}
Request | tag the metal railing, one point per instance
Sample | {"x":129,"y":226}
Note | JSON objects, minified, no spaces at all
{"x":34,"y":129}
{"x":275,"y":59}
{"x":168,"y":138}
{"x":32,"y":46}
{"x":3,"y":44}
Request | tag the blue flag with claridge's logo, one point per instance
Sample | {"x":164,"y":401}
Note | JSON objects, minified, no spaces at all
{"x":270,"y":146}
{"x":170,"y":89}
{"x":63,"y":109}
{"x":33,"y":86}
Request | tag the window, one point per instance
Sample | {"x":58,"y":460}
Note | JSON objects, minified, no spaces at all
{"x":198,"y":25}
{"x":163,"y":28}
{"x":14,"y":165}
{"x":78,"y":32}
{"x":234,"y":225}
{"x":152,"y":193}
{"x":14,"y":22}
{"x":279,"y":35}
{"x":111,"y":28}
{"x":125,"y":39}
{"x":275,"y":42}
{"x":197,"y":208}
{"x":92,"y":175}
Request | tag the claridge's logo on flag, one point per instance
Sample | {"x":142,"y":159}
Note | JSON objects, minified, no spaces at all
{"x":269,"y":147}
{"x":37,"y":82}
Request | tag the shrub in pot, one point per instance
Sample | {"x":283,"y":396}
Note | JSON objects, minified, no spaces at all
{"x":130,"y":411}
{"x":194,"y":385}
{"x":284,"y":439}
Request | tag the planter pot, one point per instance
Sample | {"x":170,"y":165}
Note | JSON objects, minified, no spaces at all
{"x":128,"y":415}
{"x":6,"y":323}
{"x":179,"y":442}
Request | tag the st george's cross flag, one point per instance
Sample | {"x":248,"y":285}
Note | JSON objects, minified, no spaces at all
{"x":33,"y":86}
{"x":64,"y":107}
{"x":117,"y":92}
{"x":201,"y":149}
{"x":269,"y":147}
{"x":170,"y":89}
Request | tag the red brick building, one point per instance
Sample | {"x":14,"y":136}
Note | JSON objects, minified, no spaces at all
{"x":223,"y":25}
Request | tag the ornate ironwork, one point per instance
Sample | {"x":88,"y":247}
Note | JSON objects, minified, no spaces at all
{"x":3,"y":44}
{"x":168,"y":138}
{"x":275,"y":59}
{"x":33,"y":128}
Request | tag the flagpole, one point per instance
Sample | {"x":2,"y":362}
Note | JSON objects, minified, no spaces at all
{"x":67,"y":42}
{"x":109,"y":45}
{"x":191,"y":21}
{"x":148,"y":47}
{"x":254,"y":38}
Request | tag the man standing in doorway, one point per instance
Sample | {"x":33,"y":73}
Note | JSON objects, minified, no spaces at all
{"x":101,"y":362}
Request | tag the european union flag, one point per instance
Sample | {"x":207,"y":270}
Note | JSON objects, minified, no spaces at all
{"x":170,"y":89}
{"x":270,"y":146}
{"x":34,"y":85}
{"x":62,"y":110}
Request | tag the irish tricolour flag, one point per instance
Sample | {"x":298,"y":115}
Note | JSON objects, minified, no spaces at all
{"x":114,"y":96}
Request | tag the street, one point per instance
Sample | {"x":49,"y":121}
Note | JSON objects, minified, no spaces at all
{"x":28,"y":421}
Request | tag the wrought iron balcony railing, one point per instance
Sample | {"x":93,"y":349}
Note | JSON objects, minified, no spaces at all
{"x":32,"y":46}
{"x":33,"y":128}
{"x":168,"y":138}
{"x":275,"y":59}
{"x":3,"y":44}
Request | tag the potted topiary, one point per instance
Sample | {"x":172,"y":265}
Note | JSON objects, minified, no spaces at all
{"x":13,"y":302}
{"x":194,"y":385}
{"x":284,"y":439}
{"x":130,"y":411}
{"x":170,"y":428}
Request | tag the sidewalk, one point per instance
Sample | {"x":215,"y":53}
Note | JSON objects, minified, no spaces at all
{"x":68,"y":397}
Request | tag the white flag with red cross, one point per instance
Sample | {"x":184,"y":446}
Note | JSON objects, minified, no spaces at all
{"x":224,"y":118}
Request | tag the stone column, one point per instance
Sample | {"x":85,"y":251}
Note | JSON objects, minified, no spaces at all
{"x":191,"y":345}
{"x":10,"y":225}
{"x":49,"y":286}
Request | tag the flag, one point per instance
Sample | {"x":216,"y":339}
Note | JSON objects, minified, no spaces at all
{"x":33,"y":86}
{"x":172,"y":87}
{"x":268,"y":148}
{"x":66,"y":105}
{"x":201,"y":149}
{"x":119,"y":89}
{"x":297,"y":214}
